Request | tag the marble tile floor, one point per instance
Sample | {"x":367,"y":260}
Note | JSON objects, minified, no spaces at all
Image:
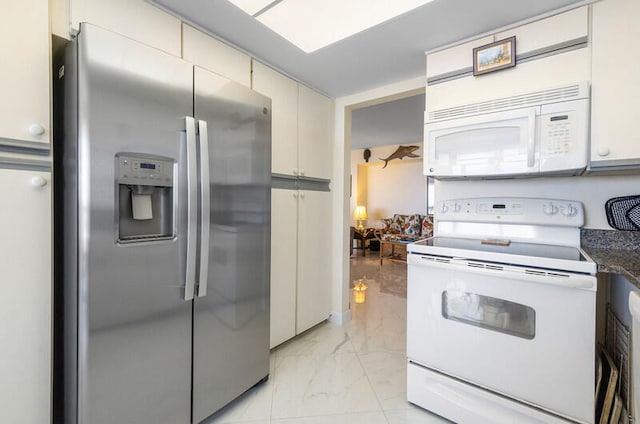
{"x":332,"y":374}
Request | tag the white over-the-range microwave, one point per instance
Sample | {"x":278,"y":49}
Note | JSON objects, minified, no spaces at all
{"x":542,"y":132}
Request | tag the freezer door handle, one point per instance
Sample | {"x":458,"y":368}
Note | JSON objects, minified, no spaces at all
{"x":192,"y":208}
{"x":204,"y":208}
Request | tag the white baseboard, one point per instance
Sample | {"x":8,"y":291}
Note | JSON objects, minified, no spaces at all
{"x":340,"y":318}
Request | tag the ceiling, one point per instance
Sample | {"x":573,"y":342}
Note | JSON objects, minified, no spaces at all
{"x":396,"y":122}
{"x":389,"y":52}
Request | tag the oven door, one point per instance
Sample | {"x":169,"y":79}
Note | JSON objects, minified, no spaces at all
{"x":527,"y":334}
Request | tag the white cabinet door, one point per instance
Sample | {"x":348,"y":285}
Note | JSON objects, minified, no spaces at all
{"x":283,"y":92}
{"x":314,"y":259}
{"x":536,"y":35}
{"x":615,"y":92}
{"x":25,"y":297}
{"x":214,"y":55}
{"x":552,"y":31}
{"x":315,"y":115}
{"x":136,"y":19}
{"x":284,"y":234}
{"x":24,"y":76}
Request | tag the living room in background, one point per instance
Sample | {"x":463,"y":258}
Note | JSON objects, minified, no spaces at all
{"x":386,"y":163}
{"x":400,"y":188}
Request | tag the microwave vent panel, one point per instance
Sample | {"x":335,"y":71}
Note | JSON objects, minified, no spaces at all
{"x":536,"y":98}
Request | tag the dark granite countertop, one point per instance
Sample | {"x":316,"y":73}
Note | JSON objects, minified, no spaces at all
{"x":614,"y":251}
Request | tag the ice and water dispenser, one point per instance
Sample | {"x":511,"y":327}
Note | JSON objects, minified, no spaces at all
{"x":145,"y":201}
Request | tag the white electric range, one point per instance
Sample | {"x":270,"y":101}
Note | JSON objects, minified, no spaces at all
{"x":501,"y":313}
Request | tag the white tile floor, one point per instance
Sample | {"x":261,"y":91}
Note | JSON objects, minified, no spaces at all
{"x":331,"y":374}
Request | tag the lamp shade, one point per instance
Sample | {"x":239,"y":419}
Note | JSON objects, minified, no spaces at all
{"x":360,"y":213}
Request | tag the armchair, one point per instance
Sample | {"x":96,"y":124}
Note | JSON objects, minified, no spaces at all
{"x":401,"y":230}
{"x":406,"y":227}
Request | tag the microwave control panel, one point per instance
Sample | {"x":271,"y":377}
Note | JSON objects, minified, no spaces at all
{"x":557,"y":133}
{"x":564,"y":136}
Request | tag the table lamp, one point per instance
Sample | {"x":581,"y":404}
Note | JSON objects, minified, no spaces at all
{"x":360,"y":215}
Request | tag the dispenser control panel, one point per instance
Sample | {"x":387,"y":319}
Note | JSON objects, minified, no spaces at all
{"x":144,"y":170}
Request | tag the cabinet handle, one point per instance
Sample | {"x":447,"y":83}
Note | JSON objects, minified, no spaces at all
{"x":603,"y":151}
{"x":38,"y":181}
{"x":302,"y":194}
{"x":295,"y":195}
{"x":36,"y":129}
{"x":302,"y":172}
{"x":295,"y":172}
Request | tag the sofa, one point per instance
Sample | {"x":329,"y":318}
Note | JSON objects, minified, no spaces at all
{"x":406,"y":227}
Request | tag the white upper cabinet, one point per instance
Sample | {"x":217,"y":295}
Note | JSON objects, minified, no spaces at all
{"x":136,"y":19}
{"x":615,"y":91}
{"x":553,"y":71}
{"x":558,"y":30}
{"x":207,"y":52}
{"x":551,"y":52}
{"x":315,"y":115}
{"x":454,"y":60}
{"x":301,"y":125}
{"x":25,"y":73}
{"x":283,"y":92}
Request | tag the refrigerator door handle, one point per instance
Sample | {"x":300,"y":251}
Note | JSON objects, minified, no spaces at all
{"x":205,"y":208}
{"x":192,"y":208}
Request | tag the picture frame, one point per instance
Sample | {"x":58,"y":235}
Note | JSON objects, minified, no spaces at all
{"x":494,"y":56}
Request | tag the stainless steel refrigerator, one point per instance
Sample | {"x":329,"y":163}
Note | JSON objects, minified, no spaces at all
{"x":163,"y":210}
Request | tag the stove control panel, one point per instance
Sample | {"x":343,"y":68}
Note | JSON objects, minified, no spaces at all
{"x":502,"y":208}
{"x":512,"y":210}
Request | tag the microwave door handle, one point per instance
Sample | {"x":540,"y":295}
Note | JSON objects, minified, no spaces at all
{"x":531,"y":141}
{"x":192,"y":209}
{"x":205,"y":208}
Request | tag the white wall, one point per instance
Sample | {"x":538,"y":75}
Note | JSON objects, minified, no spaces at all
{"x":401,"y":187}
{"x":592,"y":190}
{"x":356,"y":160}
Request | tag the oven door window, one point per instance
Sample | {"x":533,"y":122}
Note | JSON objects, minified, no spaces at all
{"x":490,"y":313}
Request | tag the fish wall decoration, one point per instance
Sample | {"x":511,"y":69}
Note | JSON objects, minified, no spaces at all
{"x":401,"y":152}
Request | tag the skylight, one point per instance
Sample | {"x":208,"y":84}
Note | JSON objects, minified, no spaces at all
{"x":313,"y":24}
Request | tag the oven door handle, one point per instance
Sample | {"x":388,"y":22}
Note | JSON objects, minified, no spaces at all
{"x":576,"y":281}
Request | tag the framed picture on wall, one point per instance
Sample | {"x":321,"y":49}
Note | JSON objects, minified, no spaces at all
{"x":494,"y":56}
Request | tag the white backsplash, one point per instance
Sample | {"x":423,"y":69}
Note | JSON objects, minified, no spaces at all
{"x":592,"y":190}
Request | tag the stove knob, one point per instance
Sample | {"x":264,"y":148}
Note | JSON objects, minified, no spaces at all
{"x":569,"y":211}
{"x":444,"y":208}
{"x":550,"y":209}
{"x":457,"y":207}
